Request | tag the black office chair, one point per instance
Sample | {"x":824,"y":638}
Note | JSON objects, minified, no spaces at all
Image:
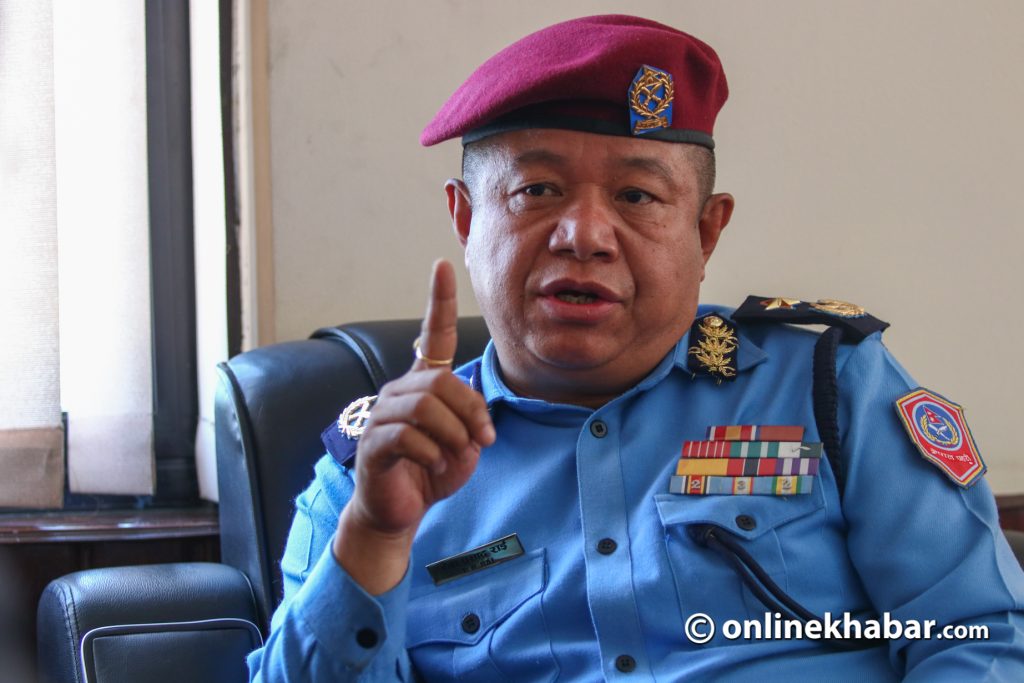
{"x":196,"y":621}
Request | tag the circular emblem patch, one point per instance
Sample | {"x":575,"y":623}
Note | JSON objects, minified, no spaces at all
{"x":937,"y":425}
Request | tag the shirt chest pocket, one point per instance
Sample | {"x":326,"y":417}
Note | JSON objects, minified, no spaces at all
{"x":780,"y":533}
{"x":488,"y":626}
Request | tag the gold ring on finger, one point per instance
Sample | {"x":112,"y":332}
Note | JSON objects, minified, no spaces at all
{"x":431,"y":362}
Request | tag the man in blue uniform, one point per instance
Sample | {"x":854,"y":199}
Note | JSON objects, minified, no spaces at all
{"x":624,"y":477}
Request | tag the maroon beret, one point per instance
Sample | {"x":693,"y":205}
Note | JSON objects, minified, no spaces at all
{"x":610,"y":74}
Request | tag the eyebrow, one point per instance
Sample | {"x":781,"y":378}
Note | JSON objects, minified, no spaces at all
{"x":540,"y":156}
{"x":650,"y":165}
{"x":640,"y":163}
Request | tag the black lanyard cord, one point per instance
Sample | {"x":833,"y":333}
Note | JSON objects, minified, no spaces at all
{"x":754,"y":575}
{"x":761,"y":584}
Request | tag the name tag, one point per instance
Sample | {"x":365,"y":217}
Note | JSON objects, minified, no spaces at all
{"x":487,"y":555}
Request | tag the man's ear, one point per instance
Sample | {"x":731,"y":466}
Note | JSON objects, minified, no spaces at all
{"x":713,"y":218}
{"x":460,"y":208}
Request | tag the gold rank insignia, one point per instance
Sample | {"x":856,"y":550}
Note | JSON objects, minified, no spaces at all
{"x":855,"y":323}
{"x":352,"y":421}
{"x":843,"y":309}
{"x":780,"y":302}
{"x":714,"y":348}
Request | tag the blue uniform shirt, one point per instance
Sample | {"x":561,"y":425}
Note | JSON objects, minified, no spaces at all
{"x":905,"y":540}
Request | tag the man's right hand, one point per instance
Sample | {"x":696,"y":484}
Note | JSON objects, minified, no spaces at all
{"x":421,"y":444}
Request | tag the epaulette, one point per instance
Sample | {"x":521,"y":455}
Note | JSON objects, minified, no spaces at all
{"x":846,"y":322}
{"x":853,"y":321}
{"x":936,"y":426}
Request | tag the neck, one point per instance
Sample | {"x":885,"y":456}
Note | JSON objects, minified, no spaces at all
{"x":569,"y":397}
{"x":587,"y":388}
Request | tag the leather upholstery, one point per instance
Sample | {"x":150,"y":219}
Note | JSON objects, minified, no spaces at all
{"x":119,"y":599}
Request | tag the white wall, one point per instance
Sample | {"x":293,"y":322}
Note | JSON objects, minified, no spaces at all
{"x":874,"y":149}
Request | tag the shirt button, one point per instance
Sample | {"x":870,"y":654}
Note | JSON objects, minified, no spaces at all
{"x":471,"y":623}
{"x":746,"y":522}
{"x":598,"y":429}
{"x":366,"y":637}
{"x":625,"y":663}
{"x":606,"y":546}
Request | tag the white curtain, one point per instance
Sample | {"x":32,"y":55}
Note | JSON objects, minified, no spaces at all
{"x":103,"y":227}
{"x":31,"y":438}
{"x":75,"y":315}
{"x":74,"y":251}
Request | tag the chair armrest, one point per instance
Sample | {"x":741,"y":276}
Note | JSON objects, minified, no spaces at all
{"x":191,"y":621}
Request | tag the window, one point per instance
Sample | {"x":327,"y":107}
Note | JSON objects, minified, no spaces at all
{"x":96,"y":121}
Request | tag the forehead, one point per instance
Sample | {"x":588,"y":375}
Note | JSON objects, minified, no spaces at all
{"x":573,"y":149}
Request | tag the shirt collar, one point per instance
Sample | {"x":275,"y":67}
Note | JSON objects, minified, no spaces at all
{"x":486,"y":377}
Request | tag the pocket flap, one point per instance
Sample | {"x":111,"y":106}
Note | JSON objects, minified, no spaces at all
{"x":767,"y":512}
{"x":435,"y":615}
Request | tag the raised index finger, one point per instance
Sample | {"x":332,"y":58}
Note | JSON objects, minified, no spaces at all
{"x":438,"y":336}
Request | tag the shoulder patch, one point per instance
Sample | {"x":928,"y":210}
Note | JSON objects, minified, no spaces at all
{"x":939,"y":430}
{"x":854,"y":321}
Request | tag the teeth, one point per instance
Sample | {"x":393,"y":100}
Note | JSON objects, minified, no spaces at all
{"x":576,"y":298}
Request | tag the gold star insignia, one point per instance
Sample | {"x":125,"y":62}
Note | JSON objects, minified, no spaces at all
{"x":780,"y":303}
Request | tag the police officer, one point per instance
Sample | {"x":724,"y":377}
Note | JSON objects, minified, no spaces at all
{"x":622,"y":464}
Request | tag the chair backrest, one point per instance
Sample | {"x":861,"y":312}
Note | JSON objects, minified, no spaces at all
{"x":272,"y":404}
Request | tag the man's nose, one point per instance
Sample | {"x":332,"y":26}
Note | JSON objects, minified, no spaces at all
{"x":587,"y":230}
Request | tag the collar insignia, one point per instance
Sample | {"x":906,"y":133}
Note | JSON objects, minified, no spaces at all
{"x":650,"y":100}
{"x":352,"y":421}
{"x":714,"y":348}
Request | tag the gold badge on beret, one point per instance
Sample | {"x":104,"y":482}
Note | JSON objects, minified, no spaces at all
{"x":650,"y":100}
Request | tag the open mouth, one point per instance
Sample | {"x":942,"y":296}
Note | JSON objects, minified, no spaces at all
{"x":575,"y":297}
{"x":578,"y":302}
{"x":578,"y":291}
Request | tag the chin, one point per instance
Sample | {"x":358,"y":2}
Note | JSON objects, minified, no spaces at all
{"x":572,"y":352}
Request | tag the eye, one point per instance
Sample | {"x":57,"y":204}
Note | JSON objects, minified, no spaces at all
{"x":634,"y":196}
{"x":537,"y":190}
